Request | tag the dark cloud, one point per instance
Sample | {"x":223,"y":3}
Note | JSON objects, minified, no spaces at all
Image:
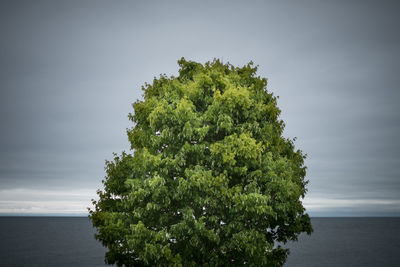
{"x":70,"y":70}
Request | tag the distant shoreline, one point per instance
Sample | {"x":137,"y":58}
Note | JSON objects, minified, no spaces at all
{"x":86,"y":215}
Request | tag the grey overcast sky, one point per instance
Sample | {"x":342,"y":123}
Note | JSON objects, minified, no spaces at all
{"x":69,"y":71}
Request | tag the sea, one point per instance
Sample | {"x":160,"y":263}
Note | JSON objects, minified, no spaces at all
{"x":69,"y":241}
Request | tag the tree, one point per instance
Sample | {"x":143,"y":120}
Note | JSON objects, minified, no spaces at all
{"x":211,"y":180}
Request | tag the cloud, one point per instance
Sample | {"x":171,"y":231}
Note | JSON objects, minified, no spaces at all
{"x":326,"y":206}
{"x":58,"y":202}
{"x":70,"y":71}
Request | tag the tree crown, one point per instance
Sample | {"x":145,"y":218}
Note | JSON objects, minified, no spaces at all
{"x":211,"y":180}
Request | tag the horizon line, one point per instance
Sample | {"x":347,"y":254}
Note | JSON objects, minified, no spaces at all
{"x":314,"y":215}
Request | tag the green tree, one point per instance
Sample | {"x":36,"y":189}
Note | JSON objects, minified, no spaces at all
{"x":211,"y":180}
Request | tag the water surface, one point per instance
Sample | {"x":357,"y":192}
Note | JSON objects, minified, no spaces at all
{"x":69,"y":241}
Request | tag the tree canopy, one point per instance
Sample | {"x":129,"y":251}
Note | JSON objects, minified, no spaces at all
{"x":209,"y":180}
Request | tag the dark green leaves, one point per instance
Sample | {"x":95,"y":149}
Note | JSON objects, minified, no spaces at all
{"x":210,"y":180}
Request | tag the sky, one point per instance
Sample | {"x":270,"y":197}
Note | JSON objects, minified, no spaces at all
{"x":70,"y":70}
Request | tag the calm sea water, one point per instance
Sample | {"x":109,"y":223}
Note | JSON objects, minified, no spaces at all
{"x":68,"y":241}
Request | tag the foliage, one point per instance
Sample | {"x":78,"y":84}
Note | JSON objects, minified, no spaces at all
{"x":211,"y":180}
